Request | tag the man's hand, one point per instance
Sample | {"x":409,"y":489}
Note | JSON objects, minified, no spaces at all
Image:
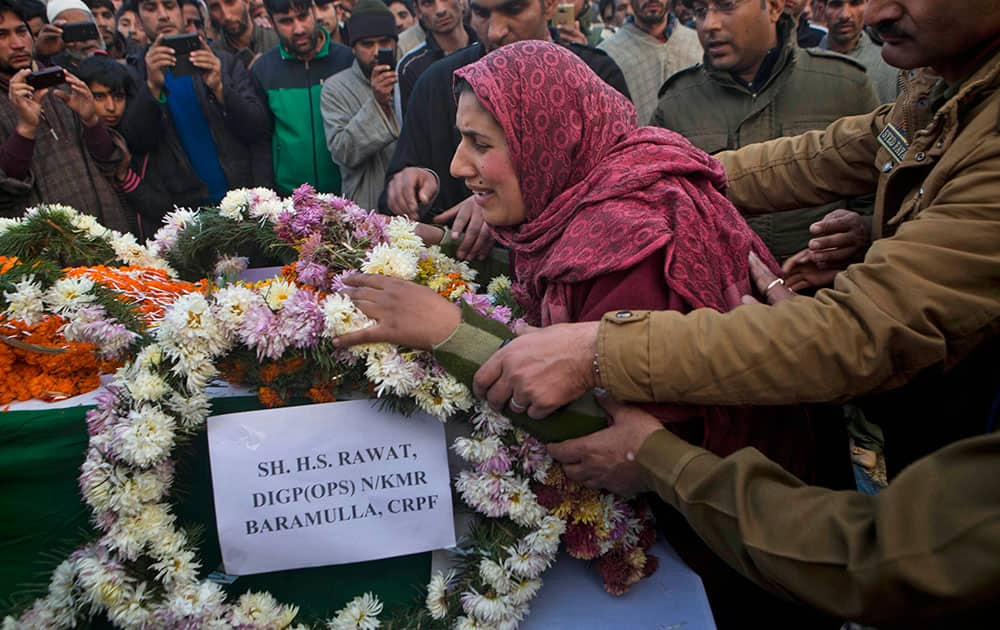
{"x":542,"y":369}
{"x":411,"y":189}
{"x":408,"y":314}
{"x":842,"y":237}
{"x":158,"y":59}
{"x":606,"y":459}
{"x":263,"y":22}
{"x":767,"y":284}
{"x":574,"y":34}
{"x":27,"y":103}
{"x":49,"y":41}
{"x":468,"y":219}
{"x":383,"y":80}
{"x":206,"y":60}
{"x":80,"y":100}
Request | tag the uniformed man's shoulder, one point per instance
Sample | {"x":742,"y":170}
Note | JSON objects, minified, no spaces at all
{"x":829,"y":61}
{"x":685,"y":78}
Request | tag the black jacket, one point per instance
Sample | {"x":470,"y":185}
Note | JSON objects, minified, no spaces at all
{"x":429,"y":138}
{"x":241,"y":129}
{"x":416,"y":63}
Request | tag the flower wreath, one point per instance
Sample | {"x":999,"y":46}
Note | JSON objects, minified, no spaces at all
{"x":143,"y":570}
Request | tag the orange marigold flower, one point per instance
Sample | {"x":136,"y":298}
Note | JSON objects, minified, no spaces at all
{"x":269,"y":398}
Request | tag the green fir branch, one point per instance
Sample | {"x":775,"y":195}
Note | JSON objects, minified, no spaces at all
{"x":51,"y":235}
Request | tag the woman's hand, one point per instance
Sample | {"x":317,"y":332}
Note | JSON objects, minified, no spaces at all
{"x":769,"y":285}
{"x":408,"y":314}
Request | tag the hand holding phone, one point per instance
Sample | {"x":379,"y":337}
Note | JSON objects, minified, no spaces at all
{"x":565,"y":16}
{"x":182,"y":46}
{"x":386,"y":57}
{"x":49,"y":77}
{"x":79,"y":31}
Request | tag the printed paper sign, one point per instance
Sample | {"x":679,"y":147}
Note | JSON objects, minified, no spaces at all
{"x":327,"y":484}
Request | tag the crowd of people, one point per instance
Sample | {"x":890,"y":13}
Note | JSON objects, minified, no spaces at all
{"x":766,"y":232}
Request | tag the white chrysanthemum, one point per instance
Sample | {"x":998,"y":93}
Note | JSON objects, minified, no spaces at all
{"x":524,"y":562}
{"x":232,"y":303}
{"x":189,"y":329}
{"x":261,"y":610}
{"x":233,"y":204}
{"x":147,"y":386}
{"x":60,"y":594}
{"x":545,"y":540}
{"x":524,"y":591}
{"x":192,"y":410}
{"x":146,"y":437}
{"x":270,"y":209}
{"x":465,"y":623}
{"x":488,"y":607}
{"x":278,"y":292}
{"x":361,"y":613}
{"x":89,"y":225}
{"x":476,"y":450}
{"x":149,"y":357}
{"x":401,"y":234}
{"x":488,"y":422}
{"x":131,"y":611}
{"x":340,"y":316}
{"x":392,"y":261}
{"x":25,"y":301}
{"x":6,"y":224}
{"x":442,"y":396}
{"x":445,"y":265}
{"x":171,"y":541}
{"x":452,"y":390}
{"x":70,"y":294}
{"x":437,"y":594}
{"x":180,"y":567}
{"x":522,"y":506}
{"x":198,"y":600}
{"x":128,"y":250}
{"x":390,"y":372}
{"x":495,"y":576}
{"x":498,"y":284}
{"x":230,"y":266}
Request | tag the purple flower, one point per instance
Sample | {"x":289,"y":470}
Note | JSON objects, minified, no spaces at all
{"x":259,"y":331}
{"x":103,"y":413}
{"x":311,"y":273}
{"x":499,"y":463}
{"x":300,"y":321}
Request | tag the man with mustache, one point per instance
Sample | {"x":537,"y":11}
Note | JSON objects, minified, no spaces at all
{"x":208,"y":126}
{"x":54,"y":148}
{"x":650,"y":47}
{"x":292,"y":75}
{"x":238,"y":35}
{"x":755,"y":84}
{"x":847,"y":36}
{"x":446,"y":33}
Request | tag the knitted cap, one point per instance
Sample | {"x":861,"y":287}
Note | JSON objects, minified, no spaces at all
{"x":55,"y":7}
{"x":370,"y":18}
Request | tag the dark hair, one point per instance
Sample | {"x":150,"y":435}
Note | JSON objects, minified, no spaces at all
{"x":106,"y":71}
{"x":12,"y":6}
{"x":100,"y":4}
{"x":407,"y":3}
{"x":33,"y":9}
{"x":133,"y":5}
{"x":603,"y":4}
{"x":286,"y":6}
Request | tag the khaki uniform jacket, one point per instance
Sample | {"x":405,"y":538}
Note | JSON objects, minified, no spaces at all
{"x":927,"y":295}
{"x":921,"y":554}
{"x":808,"y":89}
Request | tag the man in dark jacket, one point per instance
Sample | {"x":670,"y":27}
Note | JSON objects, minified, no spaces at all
{"x":292,"y":76}
{"x":54,"y":149}
{"x":446,"y":33}
{"x":419,"y":184}
{"x":214,"y":122}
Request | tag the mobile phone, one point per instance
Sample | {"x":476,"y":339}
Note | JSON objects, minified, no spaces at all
{"x":46,"y":78}
{"x":386,"y":57}
{"x":565,"y":16}
{"x":182,"y":46}
{"x":79,"y":31}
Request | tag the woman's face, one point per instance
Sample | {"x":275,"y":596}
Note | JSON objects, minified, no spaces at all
{"x":483,"y":161}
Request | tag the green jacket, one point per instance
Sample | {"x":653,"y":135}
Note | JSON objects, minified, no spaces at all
{"x":293,"y":90}
{"x":808,"y":89}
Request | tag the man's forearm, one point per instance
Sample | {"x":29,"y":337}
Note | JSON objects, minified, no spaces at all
{"x":905,"y":555}
{"x":15,"y":156}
